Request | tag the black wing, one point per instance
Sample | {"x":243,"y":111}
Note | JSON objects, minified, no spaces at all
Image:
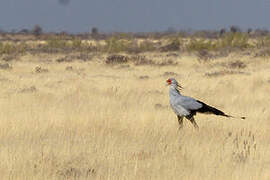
{"x":210,"y":110}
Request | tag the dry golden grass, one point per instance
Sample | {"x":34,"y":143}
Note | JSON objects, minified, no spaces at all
{"x":95,"y":121}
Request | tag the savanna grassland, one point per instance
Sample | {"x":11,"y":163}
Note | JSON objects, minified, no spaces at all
{"x":101,"y":111}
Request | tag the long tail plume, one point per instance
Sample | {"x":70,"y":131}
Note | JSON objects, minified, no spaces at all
{"x":235,"y":117}
{"x":209,"y":109}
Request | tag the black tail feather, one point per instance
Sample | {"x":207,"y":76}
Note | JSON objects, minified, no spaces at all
{"x":211,"y":110}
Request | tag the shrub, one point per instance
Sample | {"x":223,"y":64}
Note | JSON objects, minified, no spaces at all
{"x":237,"y":65}
{"x":115,"y":45}
{"x":204,"y":55}
{"x":263,"y":53}
{"x":147,"y":45}
{"x":37,"y":30}
{"x":261,"y":32}
{"x":174,"y":45}
{"x":12,"y":48}
{"x":264,"y":41}
{"x":223,"y":73}
{"x":234,"y":40}
{"x":56,"y":43}
{"x":76,"y":43}
{"x":116,"y":59}
{"x":59,"y":44}
{"x":222,"y":32}
{"x":7,"y":48}
{"x":235,"y":29}
{"x":5,"y":66}
{"x":94,"y":32}
{"x":249,"y":30}
{"x":141,"y":60}
{"x":199,"y":45}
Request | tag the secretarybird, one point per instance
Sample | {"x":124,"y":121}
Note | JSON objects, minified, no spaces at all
{"x":187,"y":107}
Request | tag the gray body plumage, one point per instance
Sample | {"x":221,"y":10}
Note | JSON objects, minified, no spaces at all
{"x":182,"y":105}
{"x":185,"y":106}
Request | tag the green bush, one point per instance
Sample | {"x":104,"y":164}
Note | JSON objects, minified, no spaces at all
{"x":201,"y":44}
{"x":173,"y":45}
{"x":10,"y":48}
{"x":76,"y":43}
{"x":264,"y":42}
{"x":59,"y":44}
{"x":234,"y":40}
{"x":146,"y":46}
{"x":6,"y":48}
{"x":56,"y":43}
{"x":229,"y":40}
{"x":115,"y":45}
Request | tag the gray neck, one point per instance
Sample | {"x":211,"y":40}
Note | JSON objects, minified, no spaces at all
{"x":174,"y":91}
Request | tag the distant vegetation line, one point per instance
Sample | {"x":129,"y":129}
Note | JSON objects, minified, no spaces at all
{"x":204,"y":43}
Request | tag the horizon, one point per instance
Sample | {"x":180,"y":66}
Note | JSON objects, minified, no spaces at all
{"x":128,"y":16}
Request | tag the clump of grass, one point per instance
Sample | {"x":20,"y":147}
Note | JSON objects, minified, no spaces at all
{"x":237,"y":65}
{"x":39,"y":69}
{"x":30,"y":89}
{"x":83,"y":56}
{"x":147,"y":45}
{"x":116,"y":59}
{"x":201,"y":44}
{"x":174,"y":45}
{"x":7,"y":48}
{"x":229,"y":40}
{"x":170,"y":74}
{"x":64,"y":59}
{"x":144,"y":46}
{"x":234,"y":40}
{"x":263,"y":53}
{"x":12,"y":48}
{"x":139,"y":60}
{"x":5,"y":66}
{"x":76,"y":43}
{"x":58,"y":44}
{"x":205,"y":55}
{"x":264,"y":41}
{"x":223,"y":73}
{"x":116,"y":45}
{"x":244,"y":146}
{"x":166,"y":62}
{"x":10,"y":57}
{"x":144,"y":77}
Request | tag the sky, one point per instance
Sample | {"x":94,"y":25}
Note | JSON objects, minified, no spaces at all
{"x":133,"y":15}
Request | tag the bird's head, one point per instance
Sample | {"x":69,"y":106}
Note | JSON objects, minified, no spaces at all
{"x":174,"y":83}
